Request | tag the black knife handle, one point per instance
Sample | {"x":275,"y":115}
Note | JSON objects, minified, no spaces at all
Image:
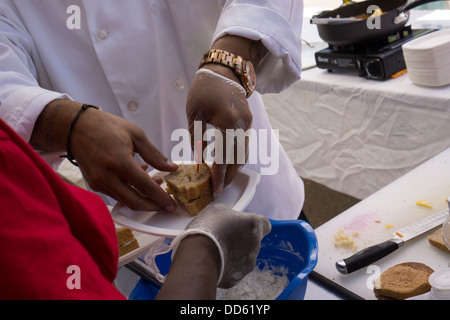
{"x":367,"y":256}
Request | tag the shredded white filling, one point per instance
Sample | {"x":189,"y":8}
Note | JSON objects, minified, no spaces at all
{"x":265,"y":284}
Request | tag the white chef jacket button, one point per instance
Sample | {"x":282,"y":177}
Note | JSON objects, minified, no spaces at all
{"x":179,"y":85}
{"x":154,"y":9}
{"x":132,"y":106}
{"x":101,"y":35}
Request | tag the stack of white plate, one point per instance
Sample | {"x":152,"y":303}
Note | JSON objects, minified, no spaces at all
{"x":428,"y":59}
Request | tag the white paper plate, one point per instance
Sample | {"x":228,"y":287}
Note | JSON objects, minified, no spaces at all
{"x":237,"y":196}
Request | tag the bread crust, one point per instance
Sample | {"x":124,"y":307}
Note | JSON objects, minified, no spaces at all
{"x":403,"y":281}
{"x":124,"y":249}
{"x":191,"y":190}
{"x":124,"y":235}
{"x":187,"y":184}
{"x":196,"y":205}
{"x":437,"y":240}
{"x":127,"y":241}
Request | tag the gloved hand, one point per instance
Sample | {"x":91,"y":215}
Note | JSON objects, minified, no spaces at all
{"x":219,"y":101}
{"x":237,"y":235}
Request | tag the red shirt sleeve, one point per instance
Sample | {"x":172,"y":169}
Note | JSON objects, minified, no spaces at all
{"x":58,"y":241}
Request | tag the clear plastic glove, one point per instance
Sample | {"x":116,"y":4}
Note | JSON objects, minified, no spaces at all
{"x":237,"y":235}
{"x":221,"y":102}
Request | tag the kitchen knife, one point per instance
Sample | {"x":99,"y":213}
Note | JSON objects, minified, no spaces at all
{"x":374,"y":253}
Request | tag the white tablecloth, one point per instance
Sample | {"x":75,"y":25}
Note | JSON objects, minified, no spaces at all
{"x":357,"y":135}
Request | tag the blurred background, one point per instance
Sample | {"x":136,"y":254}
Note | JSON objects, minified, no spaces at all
{"x":321,"y":202}
{"x":337,"y":3}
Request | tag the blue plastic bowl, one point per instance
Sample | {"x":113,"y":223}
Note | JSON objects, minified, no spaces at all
{"x":292,"y":244}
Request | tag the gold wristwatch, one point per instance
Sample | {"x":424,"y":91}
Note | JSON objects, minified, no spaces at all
{"x":243,"y":68}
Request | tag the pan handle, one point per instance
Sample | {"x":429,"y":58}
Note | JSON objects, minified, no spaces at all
{"x":416,"y":4}
{"x":400,"y":16}
{"x":402,"y":12}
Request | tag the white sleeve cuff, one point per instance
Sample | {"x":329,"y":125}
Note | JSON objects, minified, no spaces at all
{"x":24,"y":105}
{"x":21,"y":109}
{"x":282,"y":38}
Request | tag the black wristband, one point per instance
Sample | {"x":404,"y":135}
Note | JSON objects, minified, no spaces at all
{"x":69,"y":154}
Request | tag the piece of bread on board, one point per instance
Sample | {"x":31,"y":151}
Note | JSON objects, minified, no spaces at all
{"x":437,"y":240}
{"x":403,"y":281}
{"x":127,"y":241}
{"x":190,"y":188}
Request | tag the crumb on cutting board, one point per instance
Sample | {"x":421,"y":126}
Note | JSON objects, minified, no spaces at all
{"x":424,"y":203}
{"x":345,"y":241}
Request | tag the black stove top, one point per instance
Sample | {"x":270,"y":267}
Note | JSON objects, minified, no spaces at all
{"x":377,"y":60}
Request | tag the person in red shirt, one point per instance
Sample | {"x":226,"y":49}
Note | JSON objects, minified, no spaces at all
{"x":59,"y":241}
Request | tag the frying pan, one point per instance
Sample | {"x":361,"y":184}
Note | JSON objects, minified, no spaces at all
{"x":338,"y":27}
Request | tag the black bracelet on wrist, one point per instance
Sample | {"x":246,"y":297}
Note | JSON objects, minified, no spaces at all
{"x":69,"y":154}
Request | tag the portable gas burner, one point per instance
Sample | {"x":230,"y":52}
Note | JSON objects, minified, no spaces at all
{"x":377,"y":60}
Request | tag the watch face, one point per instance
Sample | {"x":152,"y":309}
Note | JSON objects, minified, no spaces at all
{"x":251,"y":76}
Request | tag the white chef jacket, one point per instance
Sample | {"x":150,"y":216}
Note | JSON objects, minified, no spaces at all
{"x":137,"y":59}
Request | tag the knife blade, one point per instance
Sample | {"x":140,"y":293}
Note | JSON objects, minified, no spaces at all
{"x":374,"y":253}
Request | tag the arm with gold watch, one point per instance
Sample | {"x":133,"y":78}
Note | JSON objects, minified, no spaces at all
{"x":236,"y":54}
{"x":214,"y":99}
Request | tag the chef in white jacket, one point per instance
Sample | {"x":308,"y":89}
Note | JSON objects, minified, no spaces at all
{"x":138,"y":61}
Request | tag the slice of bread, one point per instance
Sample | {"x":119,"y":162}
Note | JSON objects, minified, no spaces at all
{"x":403,"y":281}
{"x":437,"y":240}
{"x":127,"y":241}
{"x":196,"y":205}
{"x":190,"y":188}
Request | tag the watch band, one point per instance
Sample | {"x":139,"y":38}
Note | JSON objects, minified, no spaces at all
{"x":237,"y":63}
{"x":223,"y":57}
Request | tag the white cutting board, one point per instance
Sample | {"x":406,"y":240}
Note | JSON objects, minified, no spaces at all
{"x":393,"y":205}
